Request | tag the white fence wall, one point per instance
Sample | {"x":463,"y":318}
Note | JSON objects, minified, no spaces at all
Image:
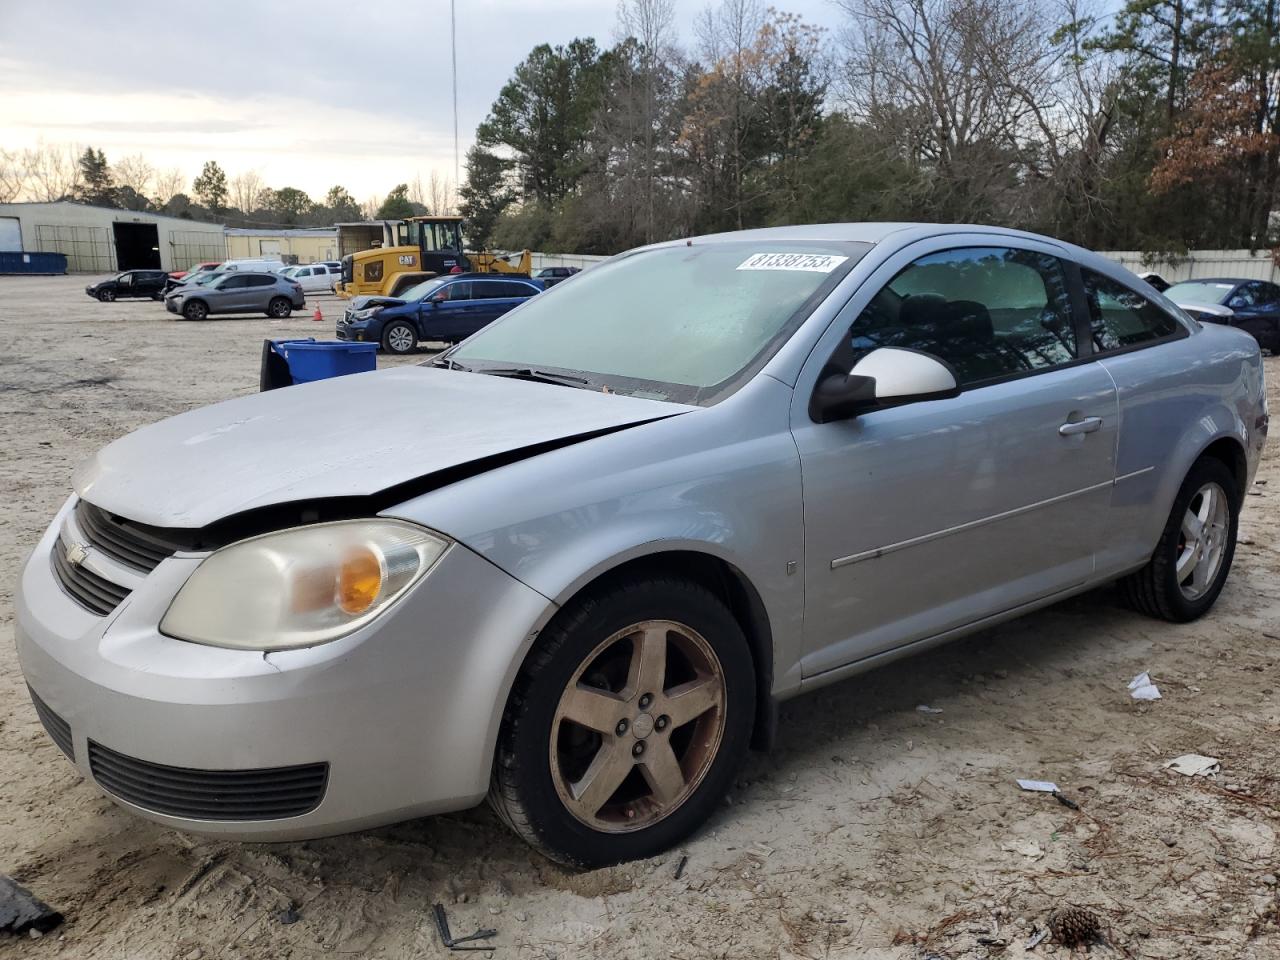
{"x":579,"y":260}
{"x":1202,"y":263}
{"x":1197,"y":263}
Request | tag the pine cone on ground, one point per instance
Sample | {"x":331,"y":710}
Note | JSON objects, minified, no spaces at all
{"x":1075,"y":926}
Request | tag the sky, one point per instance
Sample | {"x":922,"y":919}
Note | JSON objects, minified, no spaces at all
{"x":307,"y":95}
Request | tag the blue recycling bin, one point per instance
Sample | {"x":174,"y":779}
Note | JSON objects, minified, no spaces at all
{"x":286,"y":362}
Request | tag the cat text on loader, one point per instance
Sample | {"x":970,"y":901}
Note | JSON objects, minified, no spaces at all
{"x":426,"y":247}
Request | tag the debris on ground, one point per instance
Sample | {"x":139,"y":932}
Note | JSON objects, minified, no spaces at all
{"x":457,"y":943}
{"x":684,"y":861}
{"x":1141,"y":687}
{"x":1075,"y":926}
{"x":1037,"y":939}
{"x":1195,"y":765}
{"x":925,"y":708}
{"x":1039,"y":786}
{"x":21,"y":911}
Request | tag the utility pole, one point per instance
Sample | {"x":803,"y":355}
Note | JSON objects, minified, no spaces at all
{"x":453,"y":53}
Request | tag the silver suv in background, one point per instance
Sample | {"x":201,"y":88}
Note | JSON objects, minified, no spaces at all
{"x":239,"y":291}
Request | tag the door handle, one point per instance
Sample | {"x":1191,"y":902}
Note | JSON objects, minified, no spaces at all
{"x":1087,"y":425}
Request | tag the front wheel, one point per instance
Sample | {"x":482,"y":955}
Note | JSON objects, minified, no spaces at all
{"x":106,"y":296}
{"x":280,"y":308}
{"x":626,"y":725}
{"x":399,"y":337}
{"x":1190,"y":564}
{"x":195,"y":310}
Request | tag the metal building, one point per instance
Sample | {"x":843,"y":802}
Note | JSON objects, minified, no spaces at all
{"x":292,"y":245}
{"x":105,"y":240}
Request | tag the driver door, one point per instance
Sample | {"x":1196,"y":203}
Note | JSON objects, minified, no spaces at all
{"x":926,"y":517}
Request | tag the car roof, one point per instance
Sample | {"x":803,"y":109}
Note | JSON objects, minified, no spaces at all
{"x":480,"y":276}
{"x":1232,"y":280}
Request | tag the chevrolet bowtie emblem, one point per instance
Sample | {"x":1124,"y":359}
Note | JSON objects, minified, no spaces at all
{"x":76,"y":554}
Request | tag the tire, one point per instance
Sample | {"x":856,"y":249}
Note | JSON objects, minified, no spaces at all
{"x":195,"y":310}
{"x":690,"y":752}
{"x":1157,"y":589}
{"x":399,"y":337}
{"x":279,"y":308}
{"x":106,"y":296}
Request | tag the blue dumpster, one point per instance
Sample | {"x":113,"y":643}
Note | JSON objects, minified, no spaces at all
{"x":286,"y":362}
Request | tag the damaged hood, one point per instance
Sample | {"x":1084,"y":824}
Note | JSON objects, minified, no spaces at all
{"x":346,"y":437}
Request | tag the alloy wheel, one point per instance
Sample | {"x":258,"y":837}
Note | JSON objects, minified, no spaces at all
{"x":638,"y":726}
{"x":400,"y":339}
{"x":1203,"y":540}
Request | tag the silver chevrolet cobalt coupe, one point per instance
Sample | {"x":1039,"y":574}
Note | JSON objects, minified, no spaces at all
{"x":575,"y":563}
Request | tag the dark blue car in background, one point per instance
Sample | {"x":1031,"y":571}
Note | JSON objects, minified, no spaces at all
{"x":442,"y":309}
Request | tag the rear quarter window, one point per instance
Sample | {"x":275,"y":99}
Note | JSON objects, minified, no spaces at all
{"x":1120,"y":318}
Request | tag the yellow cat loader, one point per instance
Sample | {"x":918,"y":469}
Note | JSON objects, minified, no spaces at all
{"x":424,"y":247}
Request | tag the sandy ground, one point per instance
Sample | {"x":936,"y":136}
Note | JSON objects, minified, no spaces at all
{"x":873,"y":830}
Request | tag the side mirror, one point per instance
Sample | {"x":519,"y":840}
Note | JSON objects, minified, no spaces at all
{"x":886,"y":377}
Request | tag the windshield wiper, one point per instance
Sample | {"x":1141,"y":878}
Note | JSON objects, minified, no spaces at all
{"x":540,"y":376}
{"x":447,"y":364}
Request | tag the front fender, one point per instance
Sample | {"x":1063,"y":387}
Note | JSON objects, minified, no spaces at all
{"x":722,"y":481}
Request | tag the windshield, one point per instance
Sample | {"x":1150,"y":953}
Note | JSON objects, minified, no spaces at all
{"x":420,"y":290}
{"x":1199,"y":291}
{"x":685,"y":323}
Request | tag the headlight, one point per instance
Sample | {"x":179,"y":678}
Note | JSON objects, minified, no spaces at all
{"x":301,"y":587}
{"x":365,"y":314}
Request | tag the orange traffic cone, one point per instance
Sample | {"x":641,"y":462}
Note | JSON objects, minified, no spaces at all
{"x":317,"y":316}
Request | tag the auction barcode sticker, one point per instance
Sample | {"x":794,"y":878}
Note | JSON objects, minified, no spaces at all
{"x":811,"y":262}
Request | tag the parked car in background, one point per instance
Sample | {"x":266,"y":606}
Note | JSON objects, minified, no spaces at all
{"x":237,"y":291}
{"x":574,"y":564}
{"x":1251,"y":305}
{"x":314,"y":277}
{"x":196,"y":269}
{"x":202,"y":278}
{"x":443,"y":309}
{"x":1156,"y":281}
{"x":261,"y":264}
{"x":553,"y":275}
{"x":130,"y":284}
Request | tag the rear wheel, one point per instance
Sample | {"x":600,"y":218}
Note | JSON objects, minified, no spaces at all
{"x":1190,"y":564}
{"x":399,"y":337}
{"x":626,"y":724}
{"x":195,"y":310}
{"x":106,"y":296}
{"x":279,"y":307}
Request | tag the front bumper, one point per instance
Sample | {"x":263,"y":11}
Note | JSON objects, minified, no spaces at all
{"x":171,"y":304}
{"x":402,"y":714}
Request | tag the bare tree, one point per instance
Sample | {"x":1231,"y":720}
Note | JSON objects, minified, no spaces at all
{"x":440,"y":199}
{"x":246,"y":191}
{"x":168,"y":184}
{"x":133,"y":176}
{"x":652,"y":23}
{"x":369,"y":209}
{"x":13,"y":175}
{"x":955,"y":79}
{"x":53,"y":172}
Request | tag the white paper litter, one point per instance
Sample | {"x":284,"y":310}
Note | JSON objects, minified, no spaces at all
{"x":1194,"y":765}
{"x":1036,"y":940}
{"x":1039,"y":786}
{"x":925,"y":708}
{"x":1141,"y":687}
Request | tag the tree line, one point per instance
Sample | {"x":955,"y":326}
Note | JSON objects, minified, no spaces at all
{"x":51,"y":173}
{"x":1153,"y":127}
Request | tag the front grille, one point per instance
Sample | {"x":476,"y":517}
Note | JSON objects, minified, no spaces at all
{"x":135,"y":544}
{"x":59,"y":730}
{"x":267,"y":794}
{"x":84,"y":586}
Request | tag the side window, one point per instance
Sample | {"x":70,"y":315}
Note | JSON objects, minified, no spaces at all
{"x":234,"y":282}
{"x":460,"y":290}
{"x":124,"y":279}
{"x":303,"y":272}
{"x":491,"y":290}
{"x":990,"y":312}
{"x":1270,"y":294}
{"x":1121,"y":318}
{"x":261,"y":281}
